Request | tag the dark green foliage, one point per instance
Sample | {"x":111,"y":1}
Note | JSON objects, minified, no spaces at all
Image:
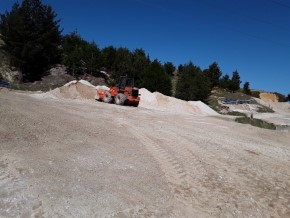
{"x":255,"y":94}
{"x":225,"y":82}
{"x":232,"y":84}
{"x":256,"y":122}
{"x":108,"y":55}
{"x":264,"y":109}
{"x":236,"y":113}
{"x":180,"y":68}
{"x":80,"y":56}
{"x":156,"y":79}
{"x":140,"y":62}
{"x":192,"y":84}
{"x":122,"y":65}
{"x":246,"y":88}
{"x":169,"y":68}
{"x":232,"y":96}
{"x":32,"y":37}
{"x":123,"y":62}
{"x":288,"y":97}
{"x":235,"y":81}
{"x":214,"y":104}
{"x":213,"y":73}
{"x":281,"y":97}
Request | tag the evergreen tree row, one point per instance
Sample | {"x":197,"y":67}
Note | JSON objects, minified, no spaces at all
{"x":33,"y":42}
{"x":32,"y":37}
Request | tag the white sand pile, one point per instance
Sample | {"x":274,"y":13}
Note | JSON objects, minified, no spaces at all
{"x":205,"y":109}
{"x":73,"y":90}
{"x":70,"y":83}
{"x":84,"y":90}
{"x":148,"y":99}
{"x":85,"y":82}
{"x":162,"y":102}
{"x":102,"y":88}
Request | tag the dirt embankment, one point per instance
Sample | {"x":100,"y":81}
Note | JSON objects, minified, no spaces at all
{"x":269,"y":97}
{"x":64,"y":158}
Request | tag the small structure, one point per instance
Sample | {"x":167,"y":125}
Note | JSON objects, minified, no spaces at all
{"x":230,"y":101}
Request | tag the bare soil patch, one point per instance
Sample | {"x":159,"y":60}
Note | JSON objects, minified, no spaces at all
{"x":79,"y":158}
{"x":269,"y":97}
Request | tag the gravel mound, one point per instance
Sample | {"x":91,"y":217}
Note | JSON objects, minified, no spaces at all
{"x":205,"y":109}
{"x":81,"y":89}
{"x":162,"y":102}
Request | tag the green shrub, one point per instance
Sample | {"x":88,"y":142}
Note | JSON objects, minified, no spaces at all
{"x":264,"y":109}
{"x":255,"y":94}
{"x":281,"y":97}
{"x":192,"y":84}
{"x":214,"y":104}
{"x":233,"y":96}
{"x":156,"y":79}
{"x":236,"y":113}
{"x":256,"y":122}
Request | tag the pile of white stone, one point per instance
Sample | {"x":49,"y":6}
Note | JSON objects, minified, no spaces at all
{"x":83,"y":89}
{"x":162,"y":102}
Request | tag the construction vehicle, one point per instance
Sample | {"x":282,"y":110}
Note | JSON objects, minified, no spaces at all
{"x":123,"y":94}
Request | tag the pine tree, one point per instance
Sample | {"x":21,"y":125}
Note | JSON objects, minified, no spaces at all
{"x":122,"y":65}
{"x":213,"y":73}
{"x":235,"y":81}
{"x":108,"y":55}
{"x":169,"y":68}
{"x":180,"y":68}
{"x":192,"y":84}
{"x":140,"y":62}
{"x":80,"y":56}
{"x":225,"y":82}
{"x":32,"y":37}
{"x":246,"y":88}
{"x":156,"y":79}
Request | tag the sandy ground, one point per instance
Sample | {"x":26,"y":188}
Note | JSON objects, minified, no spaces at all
{"x":73,"y":158}
{"x":281,"y":115}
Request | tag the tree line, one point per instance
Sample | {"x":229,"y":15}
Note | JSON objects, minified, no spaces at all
{"x":33,"y":42}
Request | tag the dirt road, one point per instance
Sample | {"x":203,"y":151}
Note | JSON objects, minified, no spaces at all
{"x":64,"y":158}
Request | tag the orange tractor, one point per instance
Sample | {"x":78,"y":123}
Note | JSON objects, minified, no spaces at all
{"x":123,"y":94}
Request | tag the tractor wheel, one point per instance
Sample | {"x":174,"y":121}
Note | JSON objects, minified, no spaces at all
{"x":120,"y":99}
{"x":97,"y":97}
{"x":107,"y":97}
{"x":136,"y":104}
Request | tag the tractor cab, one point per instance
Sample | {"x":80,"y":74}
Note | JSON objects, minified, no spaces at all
{"x":125,"y":82}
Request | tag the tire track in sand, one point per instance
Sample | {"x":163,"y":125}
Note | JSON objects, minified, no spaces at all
{"x":179,"y":180}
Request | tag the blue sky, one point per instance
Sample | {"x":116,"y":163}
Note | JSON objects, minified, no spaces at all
{"x":251,"y":36}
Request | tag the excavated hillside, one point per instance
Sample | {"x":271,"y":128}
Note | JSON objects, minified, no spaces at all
{"x":63,"y":154}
